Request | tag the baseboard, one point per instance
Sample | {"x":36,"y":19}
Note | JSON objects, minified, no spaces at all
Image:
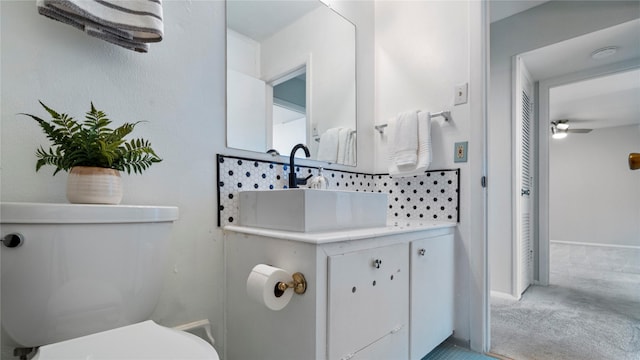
{"x":594,"y":244}
{"x":502,"y":295}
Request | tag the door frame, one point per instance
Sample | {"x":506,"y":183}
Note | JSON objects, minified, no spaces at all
{"x":479,"y":303}
{"x":544,"y":134}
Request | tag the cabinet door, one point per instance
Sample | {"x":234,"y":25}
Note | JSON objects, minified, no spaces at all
{"x":368,"y":301}
{"x":431,"y":307}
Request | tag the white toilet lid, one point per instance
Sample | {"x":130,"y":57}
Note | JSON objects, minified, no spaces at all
{"x":145,"y":340}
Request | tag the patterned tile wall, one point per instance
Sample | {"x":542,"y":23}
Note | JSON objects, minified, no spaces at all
{"x":432,"y":196}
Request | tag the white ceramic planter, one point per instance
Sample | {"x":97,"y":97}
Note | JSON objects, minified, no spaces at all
{"x":94,"y":185}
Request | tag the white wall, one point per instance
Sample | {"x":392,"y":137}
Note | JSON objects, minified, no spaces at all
{"x":179,"y":87}
{"x":288,"y":134}
{"x":247,"y":112}
{"x":595,"y":198}
{"x":540,"y":26}
{"x":423,"y":51}
{"x":419,"y":72}
{"x":331,"y":55}
{"x":243,"y":54}
{"x":246,"y":96}
{"x":329,"y":58}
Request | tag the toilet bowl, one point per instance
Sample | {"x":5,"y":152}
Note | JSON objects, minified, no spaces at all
{"x":81,"y":282}
{"x":145,"y":340}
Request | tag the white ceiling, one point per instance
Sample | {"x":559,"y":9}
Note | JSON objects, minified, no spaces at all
{"x":500,"y":9}
{"x":595,"y":103}
{"x":575,"y":54}
{"x":259,"y":19}
{"x":606,"y":101}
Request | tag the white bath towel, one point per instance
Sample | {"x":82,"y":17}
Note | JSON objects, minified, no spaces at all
{"x":403,"y":139}
{"x":350,"y":157}
{"x":131,"y":24}
{"x":343,"y":139}
{"x":424,"y":141}
{"x":346,"y":146}
{"x":328,"y":147}
{"x":424,"y":153}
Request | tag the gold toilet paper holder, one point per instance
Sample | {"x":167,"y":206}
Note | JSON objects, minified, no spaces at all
{"x":298,"y":284}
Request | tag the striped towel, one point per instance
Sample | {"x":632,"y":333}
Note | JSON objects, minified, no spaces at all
{"x":131,"y":24}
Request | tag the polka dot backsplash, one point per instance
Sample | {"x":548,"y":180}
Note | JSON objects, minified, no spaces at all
{"x":432,"y":196}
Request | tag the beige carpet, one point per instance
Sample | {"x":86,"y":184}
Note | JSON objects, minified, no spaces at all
{"x":591,"y":310}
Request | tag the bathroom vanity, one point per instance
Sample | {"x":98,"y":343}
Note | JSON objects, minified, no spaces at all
{"x":374,"y":293}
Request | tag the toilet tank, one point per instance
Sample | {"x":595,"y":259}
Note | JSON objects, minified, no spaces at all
{"x":81,"y":268}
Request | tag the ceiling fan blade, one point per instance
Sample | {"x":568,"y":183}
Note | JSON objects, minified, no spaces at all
{"x":579,"y":131}
{"x":580,"y":120}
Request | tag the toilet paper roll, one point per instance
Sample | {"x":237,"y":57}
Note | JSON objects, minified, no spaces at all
{"x":261,"y":286}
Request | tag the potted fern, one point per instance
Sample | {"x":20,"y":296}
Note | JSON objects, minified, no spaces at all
{"x":93,"y":154}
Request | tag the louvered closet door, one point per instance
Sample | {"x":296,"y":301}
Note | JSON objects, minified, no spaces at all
{"x":525,"y":214}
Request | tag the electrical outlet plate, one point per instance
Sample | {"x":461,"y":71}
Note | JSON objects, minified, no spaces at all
{"x":460,"y":151}
{"x":461,"y":94}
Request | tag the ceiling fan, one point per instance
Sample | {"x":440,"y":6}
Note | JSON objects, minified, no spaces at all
{"x":560,"y":129}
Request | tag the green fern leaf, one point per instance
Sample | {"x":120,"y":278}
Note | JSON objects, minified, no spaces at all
{"x":91,"y":143}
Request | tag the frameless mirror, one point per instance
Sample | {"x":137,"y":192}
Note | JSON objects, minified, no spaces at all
{"x":291,"y":78}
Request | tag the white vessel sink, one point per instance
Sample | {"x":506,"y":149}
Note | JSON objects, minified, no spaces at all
{"x":311,"y":210}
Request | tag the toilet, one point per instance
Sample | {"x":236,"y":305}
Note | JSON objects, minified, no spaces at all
{"x":81,"y":281}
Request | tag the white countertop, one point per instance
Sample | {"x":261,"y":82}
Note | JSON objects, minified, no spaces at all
{"x":393,"y":227}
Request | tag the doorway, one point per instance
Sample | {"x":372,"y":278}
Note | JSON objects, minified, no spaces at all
{"x":587,"y":170}
{"x":289,"y":111}
{"x":288,"y":105}
{"x":519,"y":37}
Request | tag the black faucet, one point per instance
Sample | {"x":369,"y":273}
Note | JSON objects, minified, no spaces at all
{"x":293,"y":179}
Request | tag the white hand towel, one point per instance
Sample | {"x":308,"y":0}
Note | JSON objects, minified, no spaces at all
{"x":424,"y":150}
{"x":405,"y":139}
{"x":127,"y":23}
{"x":328,"y":147}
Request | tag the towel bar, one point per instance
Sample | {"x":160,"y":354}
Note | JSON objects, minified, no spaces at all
{"x":445,"y":114}
{"x":317,"y":137}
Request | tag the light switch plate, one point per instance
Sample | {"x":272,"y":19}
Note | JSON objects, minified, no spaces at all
{"x":460,"y":152}
{"x":461,"y":94}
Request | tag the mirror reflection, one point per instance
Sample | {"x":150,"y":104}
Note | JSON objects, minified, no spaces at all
{"x":291,"y":79}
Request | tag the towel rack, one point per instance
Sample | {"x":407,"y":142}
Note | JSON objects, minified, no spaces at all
{"x":317,"y":138}
{"x":445,"y":114}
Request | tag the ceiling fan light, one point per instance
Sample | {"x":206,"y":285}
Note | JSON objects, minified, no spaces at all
{"x":558,"y":133}
{"x":604,"y":52}
{"x":562,"y":126}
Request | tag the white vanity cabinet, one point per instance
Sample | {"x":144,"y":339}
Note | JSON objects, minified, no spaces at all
{"x":431,"y":304}
{"x":370,"y":293}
